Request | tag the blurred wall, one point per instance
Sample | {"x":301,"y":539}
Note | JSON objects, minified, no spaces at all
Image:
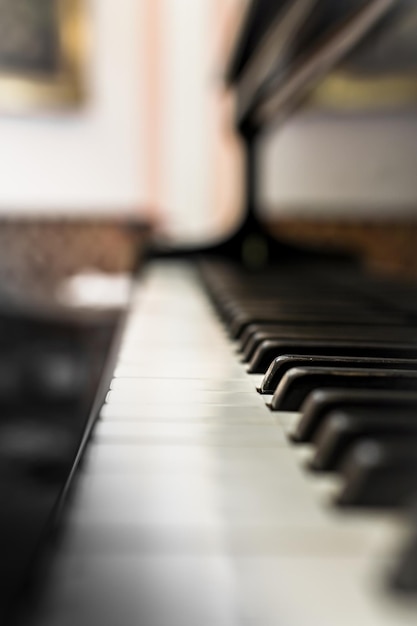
{"x":184,"y":123}
{"x":197,"y":186}
{"x":154,"y":137}
{"x":93,"y":159}
{"x":341,"y":166}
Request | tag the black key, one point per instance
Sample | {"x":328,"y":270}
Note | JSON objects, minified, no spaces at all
{"x":251,"y":335}
{"x":240,"y":320}
{"x":323,"y":401}
{"x":325,"y":332}
{"x":342,"y":429}
{"x":378,"y":474}
{"x":300,"y":381}
{"x":282,"y":364}
{"x":271,"y":350}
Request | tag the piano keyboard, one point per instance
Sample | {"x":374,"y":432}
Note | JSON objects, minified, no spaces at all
{"x":193,"y":506}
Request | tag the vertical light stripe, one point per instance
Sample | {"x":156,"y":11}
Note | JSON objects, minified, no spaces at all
{"x":153,"y":102}
{"x":185,"y":123}
{"x":194,"y":163}
{"x":228,"y":154}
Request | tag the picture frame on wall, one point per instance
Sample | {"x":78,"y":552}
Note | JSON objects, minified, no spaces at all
{"x":41,"y":55}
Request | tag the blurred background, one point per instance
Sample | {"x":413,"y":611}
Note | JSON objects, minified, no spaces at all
{"x":123,"y":123}
{"x":147,"y":136}
{"x":146,"y":133}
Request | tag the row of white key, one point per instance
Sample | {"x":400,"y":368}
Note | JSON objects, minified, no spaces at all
{"x":192,"y":509}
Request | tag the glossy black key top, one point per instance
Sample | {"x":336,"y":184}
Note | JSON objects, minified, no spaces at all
{"x":282,"y":364}
{"x":342,"y":429}
{"x":379,"y":474}
{"x":300,"y":381}
{"x":323,"y":401}
{"x":271,"y":350}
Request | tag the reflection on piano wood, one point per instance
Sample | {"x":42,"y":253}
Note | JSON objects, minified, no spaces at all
{"x":386,"y":246}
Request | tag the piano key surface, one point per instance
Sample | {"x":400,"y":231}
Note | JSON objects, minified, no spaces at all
{"x":191,"y":505}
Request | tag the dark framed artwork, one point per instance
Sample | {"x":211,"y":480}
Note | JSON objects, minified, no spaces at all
{"x":41,"y":54}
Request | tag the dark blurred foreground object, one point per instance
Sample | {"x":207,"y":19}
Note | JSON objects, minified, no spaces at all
{"x":55,"y":360}
{"x":50,"y":375}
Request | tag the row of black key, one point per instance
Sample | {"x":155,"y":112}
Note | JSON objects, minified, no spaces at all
{"x":345,"y":358}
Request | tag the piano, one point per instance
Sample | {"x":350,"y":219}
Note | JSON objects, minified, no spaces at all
{"x":254,"y":459}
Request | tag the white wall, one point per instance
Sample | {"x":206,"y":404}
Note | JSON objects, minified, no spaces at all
{"x":91,"y":160}
{"x":186,"y":130}
{"x":318,"y":165}
{"x":153,"y":137}
{"x":96,"y":159}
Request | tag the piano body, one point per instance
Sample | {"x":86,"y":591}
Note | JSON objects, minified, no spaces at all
{"x":264,"y":475}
